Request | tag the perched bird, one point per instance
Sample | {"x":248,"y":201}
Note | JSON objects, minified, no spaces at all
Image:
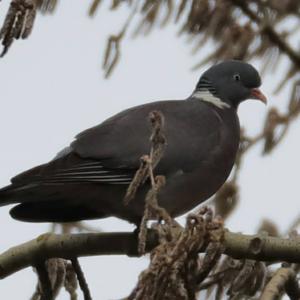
{"x":88,"y":179}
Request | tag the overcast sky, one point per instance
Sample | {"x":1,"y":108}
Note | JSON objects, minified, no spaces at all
{"x":52,"y":87}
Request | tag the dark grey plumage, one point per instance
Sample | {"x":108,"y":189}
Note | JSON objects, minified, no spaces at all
{"x":89,"y":179}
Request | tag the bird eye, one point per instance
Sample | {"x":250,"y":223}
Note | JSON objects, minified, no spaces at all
{"x":236,"y":77}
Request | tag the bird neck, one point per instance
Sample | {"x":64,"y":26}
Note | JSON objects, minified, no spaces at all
{"x":204,"y":94}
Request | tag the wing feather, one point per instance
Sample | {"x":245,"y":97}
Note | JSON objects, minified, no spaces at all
{"x":110,"y":152}
{"x":73,"y":169}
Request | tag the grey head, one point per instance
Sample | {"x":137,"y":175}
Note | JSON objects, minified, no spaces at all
{"x":233,"y":82}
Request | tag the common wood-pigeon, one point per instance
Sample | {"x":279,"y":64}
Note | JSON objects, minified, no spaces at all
{"x":88,"y":179}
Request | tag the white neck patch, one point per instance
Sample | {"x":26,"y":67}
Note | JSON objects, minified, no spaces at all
{"x":207,"y":96}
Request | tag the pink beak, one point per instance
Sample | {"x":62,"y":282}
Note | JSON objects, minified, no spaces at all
{"x":257,"y":94}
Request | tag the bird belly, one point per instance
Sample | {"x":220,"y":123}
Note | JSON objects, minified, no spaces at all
{"x":184,"y":192}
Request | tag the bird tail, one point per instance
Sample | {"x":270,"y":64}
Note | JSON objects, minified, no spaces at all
{"x":7,"y":195}
{"x":14,"y":194}
{"x":56,"y":203}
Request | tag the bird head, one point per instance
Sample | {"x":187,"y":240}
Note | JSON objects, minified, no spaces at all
{"x":232,"y":82}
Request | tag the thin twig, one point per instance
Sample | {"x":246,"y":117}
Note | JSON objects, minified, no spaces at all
{"x":113,"y":48}
{"x":44,"y":281}
{"x":81,"y":279}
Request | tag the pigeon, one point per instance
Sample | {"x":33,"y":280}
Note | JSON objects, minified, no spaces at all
{"x":89,"y":179}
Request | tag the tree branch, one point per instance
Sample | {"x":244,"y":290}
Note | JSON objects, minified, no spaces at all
{"x":68,"y":246}
{"x":269,"y":31}
{"x":81,"y":279}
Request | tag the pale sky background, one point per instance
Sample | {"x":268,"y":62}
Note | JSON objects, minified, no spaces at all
{"x":52,"y":87}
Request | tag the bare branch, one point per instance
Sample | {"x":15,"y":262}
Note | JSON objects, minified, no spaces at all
{"x":94,"y":6}
{"x":113,"y":52}
{"x":89,"y":244}
{"x":81,"y":279}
